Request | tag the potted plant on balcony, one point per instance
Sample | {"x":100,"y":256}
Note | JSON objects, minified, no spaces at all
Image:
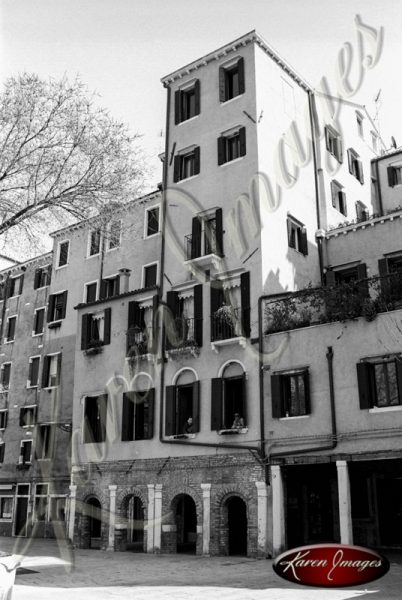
{"x":225,"y":321}
{"x":94,"y":347}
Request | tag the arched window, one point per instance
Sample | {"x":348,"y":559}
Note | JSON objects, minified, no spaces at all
{"x":182,"y":405}
{"x":229,"y":402}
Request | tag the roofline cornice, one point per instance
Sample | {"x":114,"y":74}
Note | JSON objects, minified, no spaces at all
{"x":32,"y":261}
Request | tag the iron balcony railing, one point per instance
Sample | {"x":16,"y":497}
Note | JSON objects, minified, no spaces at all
{"x":181,"y":332}
{"x":203,"y":246}
{"x":226,"y":323}
{"x":139,"y":341}
{"x":342,"y":302}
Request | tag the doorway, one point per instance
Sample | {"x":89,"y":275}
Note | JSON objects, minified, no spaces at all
{"x":135,"y":532}
{"x":21,"y":516}
{"x":186,"y":524}
{"x":237,"y":526}
{"x":95,"y":523}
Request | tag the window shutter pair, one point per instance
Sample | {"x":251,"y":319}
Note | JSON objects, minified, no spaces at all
{"x":171,"y":416}
{"x":277,"y":398}
{"x":129,"y":399}
{"x":178,"y":102}
{"x":217,"y":402}
{"x":52,"y":305}
{"x":86,"y":328}
{"x":222,"y":80}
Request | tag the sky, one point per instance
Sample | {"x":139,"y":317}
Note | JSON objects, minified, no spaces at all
{"x":122,"y":48}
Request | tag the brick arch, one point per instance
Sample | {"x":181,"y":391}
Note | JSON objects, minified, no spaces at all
{"x":220,"y":517}
{"x":125,"y":495}
{"x":179,"y":492}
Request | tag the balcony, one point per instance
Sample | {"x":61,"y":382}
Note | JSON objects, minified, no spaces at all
{"x":181,"y":338}
{"x":343,"y":302}
{"x":202,"y":252}
{"x":139,"y":343}
{"x":226,"y":327}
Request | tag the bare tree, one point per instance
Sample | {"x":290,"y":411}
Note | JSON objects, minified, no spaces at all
{"x":62,"y":158}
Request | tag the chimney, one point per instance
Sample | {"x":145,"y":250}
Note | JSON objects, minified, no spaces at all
{"x":124,"y":279}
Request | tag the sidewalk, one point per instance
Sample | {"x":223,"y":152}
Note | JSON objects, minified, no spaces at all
{"x":105,"y":575}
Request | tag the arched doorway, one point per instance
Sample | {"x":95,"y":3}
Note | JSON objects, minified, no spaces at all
{"x":94,"y":523}
{"x":135,"y":524}
{"x":186,"y":524}
{"x":237,"y":526}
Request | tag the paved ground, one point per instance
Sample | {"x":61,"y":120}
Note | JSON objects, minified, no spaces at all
{"x":92,"y":574}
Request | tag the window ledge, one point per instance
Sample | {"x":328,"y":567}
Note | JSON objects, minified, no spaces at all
{"x":54,"y":324}
{"x":241,"y":340}
{"x":36,"y":334}
{"x":226,"y":102}
{"x":241,"y":430}
{"x":9,"y":341}
{"x":61,"y":267}
{"x":293,"y":418}
{"x":187,"y":120}
{"x":382,"y":409}
{"x":231,"y":162}
{"x":182,"y":436}
{"x":186,"y":179}
{"x":93,"y":351}
{"x":152,"y":235}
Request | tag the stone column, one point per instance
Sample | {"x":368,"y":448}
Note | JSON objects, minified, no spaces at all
{"x":262,"y":517}
{"x":206,"y":518}
{"x":278,"y":511}
{"x":151,"y":516}
{"x":71,"y":515}
{"x":345,"y":508}
{"x":112,"y":515}
{"x":158,"y":517}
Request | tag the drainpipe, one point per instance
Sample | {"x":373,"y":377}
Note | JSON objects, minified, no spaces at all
{"x":314,"y":138}
{"x":259,"y":450}
{"x":378,"y":188}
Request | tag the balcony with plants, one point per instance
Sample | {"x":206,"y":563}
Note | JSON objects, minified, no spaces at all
{"x":181,"y":337}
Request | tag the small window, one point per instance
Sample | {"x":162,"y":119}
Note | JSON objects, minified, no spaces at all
{"x":2,"y":451}
{"x":186,"y":164}
{"x":33,"y":372}
{"x":297,"y":236}
{"x":57,"y":509}
{"x":355,"y":165}
{"x":137,"y":422}
{"x":96,"y":329}
{"x":114,"y":234}
{"x":91,"y":292}
{"x":16,"y":284}
{"x":11,"y":324}
{"x":44,"y":446}
{"x":5,"y":374}
{"x":42,"y":277}
{"x":28,"y":416}
{"x":359,"y":122}
{"x":394,"y":175}
{"x":338,"y":198}
{"x":57,"y":306}
{"x":231,"y":146}
{"x":187,"y":102}
{"x":6,"y":503}
{"x":379,"y":382}
{"x":39,"y":320}
{"x":51,"y":371}
{"x":290,"y":394}
{"x":231,"y":80}
{"x":3,"y":418}
{"x":25,"y":452}
{"x":94,"y":242}
{"x":150,"y":275}
{"x":63,"y":252}
{"x":152,"y":221}
{"x":110,"y":287}
{"x":41,"y":501}
{"x":333,"y":143}
{"x":95,"y":408}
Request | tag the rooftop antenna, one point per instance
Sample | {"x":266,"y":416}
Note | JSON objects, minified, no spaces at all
{"x":393,"y":142}
{"x":378,"y":105}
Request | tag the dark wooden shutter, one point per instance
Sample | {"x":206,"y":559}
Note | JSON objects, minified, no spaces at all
{"x":361,"y":271}
{"x":327,"y":138}
{"x":155,"y":303}
{"x":391,"y":176}
{"x":198,"y":318}
{"x":127,"y":424}
{"x":383,"y":267}
{"x":342,"y":202}
{"x":197,"y":100}
{"x":340,"y":148}
{"x":50,"y":308}
{"x":221,"y":150}
{"x":197,"y":160}
{"x":276,"y":396}
{"x":149,"y":405}
{"x":103,"y":288}
{"x":216,"y":403}
{"x":240,"y":67}
{"x":244,"y":397}
{"x":102,"y":412}
{"x":245,"y":303}
{"x":330,"y":278}
{"x":242,"y":135}
{"x":177,"y":116}
{"x":37,"y":278}
{"x":307,"y":400}
{"x":45,"y":371}
{"x":291,"y":242}
{"x":303,"y":241}
{"x":363,"y":381}
{"x":39,"y":442}
{"x":222,"y":84}
{"x":58,"y":377}
{"x":64,"y":306}
{"x":350,"y":157}
{"x":176,"y":168}
{"x":196,"y":406}
{"x":196,"y":238}
{"x":85,"y":321}
{"x":170,"y":410}
{"x":21,"y":283}
{"x":219,"y":231}
{"x":33,"y":371}
{"x":385,"y":282}
{"x":361,"y":174}
{"x":107,"y":325}
{"x":22,"y":417}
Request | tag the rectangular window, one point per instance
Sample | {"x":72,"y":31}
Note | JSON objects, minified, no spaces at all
{"x":6,"y":506}
{"x":333,"y":142}
{"x":57,"y":306}
{"x":355,"y":165}
{"x":44,"y":446}
{"x":57,"y":508}
{"x":95,"y":410}
{"x":96,"y":329}
{"x":41,"y":501}
{"x":114,"y":234}
{"x":231,"y":145}
{"x":25,"y":452}
{"x":187,"y":102}
{"x":297,"y":236}
{"x":39,"y":320}
{"x":10,"y":333}
{"x":63,"y":253}
{"x":231,"y":80}
{"x":2,"y":451}
{"x":42,"y":277}
{"x":51,"y":370}
{"x":16,"y":285}
{"x":150,"y":275}
{"x":290,"y":394}
{"x":152,"y":221}
{"x":182,"y":404}
{"x":28,"y":416}
{"x":3,"y":418}
{"x":338,"y":198}
{"x":94,"y":242}
{"x":91,"y":290}
{"x":380,"y":382}
{"x":5,"y":374}
{"x":394,"y":175}
{"x":186,"y":164}
{"x":33,"y":372}
{"x":362,"y":212}
{"x":137,"y":422}
{"x":110,"y":287}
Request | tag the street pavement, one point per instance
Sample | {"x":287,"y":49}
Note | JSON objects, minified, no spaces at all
{"x":51,"y":573}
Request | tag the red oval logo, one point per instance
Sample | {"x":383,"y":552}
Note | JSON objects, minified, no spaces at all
{"x":331,"y":565}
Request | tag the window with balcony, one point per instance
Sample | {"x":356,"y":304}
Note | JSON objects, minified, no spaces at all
{"x":231,"y":145}
{"x":33,"y":371}
{"x":355,"y":165}
{"x":5,"y":374}
{"x":10,"y":331}
{"x":206,"y":236}
{"x":333,"y":143}
{"x":51,"y":371}
{"x":39,"y":320}
{"x":297,"y":235}
{"x":338,"y":197}
{"x":230,"y":309}
{"x":42,"y":277}
{"x":184,"y":323}
{"x":186,"y":164}
{"x":290,"y":394}
{"x":141,"y":332}
{"x":231,"y":80}
{"x":96,"y":328}
{"x":56,"y":310}
{"x":15,"y":285}
{"x":182,"y":404}
{"x":138,"y":415}
{"x":229,"y":400}
{"x":380,"y":382}
{"x":63,"y":250}
{"x":187,"y":102}
{"x":95,"y":411}
{"x":45,"y":441}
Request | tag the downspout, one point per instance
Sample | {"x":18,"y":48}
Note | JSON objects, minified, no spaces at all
{"x":314,"y":138}
{"x":378,"y":188}
{"x":259,"y":450}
